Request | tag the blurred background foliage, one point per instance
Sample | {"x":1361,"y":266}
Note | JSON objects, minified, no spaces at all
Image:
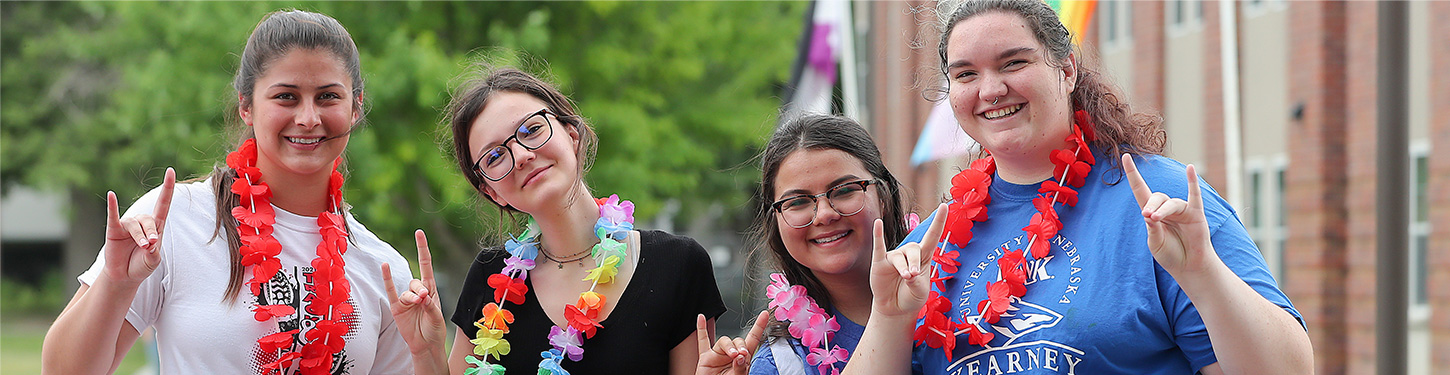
{"x":101,"y":96}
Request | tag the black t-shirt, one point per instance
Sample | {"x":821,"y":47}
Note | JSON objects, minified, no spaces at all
{"x":671,"y":284}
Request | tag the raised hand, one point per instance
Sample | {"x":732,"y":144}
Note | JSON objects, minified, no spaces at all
{"x":417,"y":311}
{"x":1177,"y":229}
{"x":131,"y":243}
{"x":728,"y":356}
{"x":900,"y":279}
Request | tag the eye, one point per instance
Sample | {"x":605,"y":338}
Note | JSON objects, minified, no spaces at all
{"x":329,"y":96}
{"x":284,"y":96}
{"x":796,"y":203}
{"x":1015,"y":64}
{"x":965,"y":75}
{"x":847,"y":189}
{"x":493,"y":157}
{"x":532,"y":128}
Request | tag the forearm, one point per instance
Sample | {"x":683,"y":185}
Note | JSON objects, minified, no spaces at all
{"x":90,"y":328}
{"x":885,"y":346}
{"x":1251,"y":334}
{"x":433,"y":361}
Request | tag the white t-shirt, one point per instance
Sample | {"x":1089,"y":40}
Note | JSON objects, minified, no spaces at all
{"x":198,"y":332}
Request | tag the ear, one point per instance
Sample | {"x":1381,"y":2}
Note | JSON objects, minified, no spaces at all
{"x":573,"y":131}
{"x":493,"y":195}
{"x":357,"y":109}
{"x":1069,"y":72}
{"x":243,"y":110}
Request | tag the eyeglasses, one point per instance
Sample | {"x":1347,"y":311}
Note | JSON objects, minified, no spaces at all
{"x":496,"y":162}
{"x":847,"y":199}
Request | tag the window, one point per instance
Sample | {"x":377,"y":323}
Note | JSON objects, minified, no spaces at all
{"x":1184,"y":15}
{"x":1419,"y":228}
{"x":1264,"y":214}
{"x":1115,"y":18}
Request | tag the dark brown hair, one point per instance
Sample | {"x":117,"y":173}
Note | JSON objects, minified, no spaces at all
{"x":819,"y":132}
{"x":279,"y":32}
{"x":1119,"y":129}
{"x":469,"y":100}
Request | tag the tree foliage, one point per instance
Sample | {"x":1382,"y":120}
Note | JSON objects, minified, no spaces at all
{"x":103,"y":96}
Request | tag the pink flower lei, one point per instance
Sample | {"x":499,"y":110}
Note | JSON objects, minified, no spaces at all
{"x":809,"y":323}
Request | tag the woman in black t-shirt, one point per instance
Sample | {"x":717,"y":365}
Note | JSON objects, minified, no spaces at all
{"x":580,"y":290}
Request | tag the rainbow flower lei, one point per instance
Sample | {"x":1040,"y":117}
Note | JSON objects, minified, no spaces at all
{"x":808,"y":323}
{"x":616,"y":220}
{"x":970,"y":196}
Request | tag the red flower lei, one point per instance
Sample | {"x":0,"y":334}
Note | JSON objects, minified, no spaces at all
{"x":259,"y":251}
{"x":970,"y":196}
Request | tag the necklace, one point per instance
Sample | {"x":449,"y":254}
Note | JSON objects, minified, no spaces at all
{"x":808,"y":322}
{"x":571,"y":258}
{"x":970,"y":195}
{"x":616,"y":220}
{"x":255,"y":217}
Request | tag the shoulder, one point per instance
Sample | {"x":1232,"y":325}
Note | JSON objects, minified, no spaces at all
{"x":370,"y":244}
{"x":660,"y":244}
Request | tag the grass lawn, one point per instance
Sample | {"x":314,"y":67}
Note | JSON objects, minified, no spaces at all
{"x":20,"y":340}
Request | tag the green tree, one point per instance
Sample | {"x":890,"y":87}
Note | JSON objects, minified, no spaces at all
{"x":103,"y":96}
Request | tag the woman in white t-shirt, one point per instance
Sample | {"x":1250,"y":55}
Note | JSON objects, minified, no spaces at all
{"x":261,"y":269}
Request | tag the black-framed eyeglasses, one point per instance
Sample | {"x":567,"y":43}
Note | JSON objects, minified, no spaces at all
{"x":495,"y":163}
{"x":799,"y":211}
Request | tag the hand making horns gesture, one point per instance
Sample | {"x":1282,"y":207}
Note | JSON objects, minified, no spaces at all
{"x":1177,"y":229}
{"x":897,"y":283}
{"x":126,"y":239}
{"x":728,"y":356}
{"x":417,"y":311}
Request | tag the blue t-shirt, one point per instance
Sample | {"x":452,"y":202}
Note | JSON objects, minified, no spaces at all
{"x":847,"y":337}
{"x":1098,"y":303}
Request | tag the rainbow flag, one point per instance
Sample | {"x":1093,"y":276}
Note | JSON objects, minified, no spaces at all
{"x":1077,"y":15}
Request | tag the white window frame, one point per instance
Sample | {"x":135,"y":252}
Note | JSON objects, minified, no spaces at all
{"x":1418,"y":311}
{"x":1267,"y":232}
{"x":1192,"y":16}
{"x":1122,"y":12}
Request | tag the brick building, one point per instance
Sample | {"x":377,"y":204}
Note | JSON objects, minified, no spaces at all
{"x":1306,"y":98}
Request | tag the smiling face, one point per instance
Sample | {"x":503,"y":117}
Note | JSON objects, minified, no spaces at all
{"x":539,"y":176}
{"x":994,"y":57}
{"x":832,"y":244}
{"x":303,"y":97}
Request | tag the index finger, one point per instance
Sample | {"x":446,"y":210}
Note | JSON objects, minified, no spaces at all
{"x":1135,"y":180}
{"x":163,"y":204}
{"x":425,"y":259}
{"x":701,"y":334}
{"x":388,"y":285}
{"x":933,"y":233}
{"x":1195,"y":197}
{"x":752,"y":341}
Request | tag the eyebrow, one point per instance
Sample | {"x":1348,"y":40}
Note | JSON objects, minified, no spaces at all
{"x":292,"y":86}
{"x":835,"y":183}
{"x":1005,"y":54}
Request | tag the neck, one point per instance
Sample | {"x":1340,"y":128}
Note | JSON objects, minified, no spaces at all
{"x":1027,"y":166}
{"x":568,"y":227}
{"x":304,"y":195}
{"x":850,"y":294}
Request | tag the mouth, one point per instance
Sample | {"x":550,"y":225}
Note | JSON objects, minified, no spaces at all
{"x":528,"y":180}
{"x":1003,"y":112}
{"x":831,"y":237}
{"x":305,"y":141}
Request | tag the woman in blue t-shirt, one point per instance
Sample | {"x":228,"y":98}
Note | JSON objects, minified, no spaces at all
{"x":823,"y":187}
{"x":1044,"y":267}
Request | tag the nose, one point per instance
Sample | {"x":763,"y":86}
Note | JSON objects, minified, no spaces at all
{"x":825,"y":213}
{"x":991,"y":88}
{"x":309,"y":116}
{"x":522,"y":155}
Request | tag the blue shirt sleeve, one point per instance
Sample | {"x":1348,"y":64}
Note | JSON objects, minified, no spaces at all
{"x":764,"y":362}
